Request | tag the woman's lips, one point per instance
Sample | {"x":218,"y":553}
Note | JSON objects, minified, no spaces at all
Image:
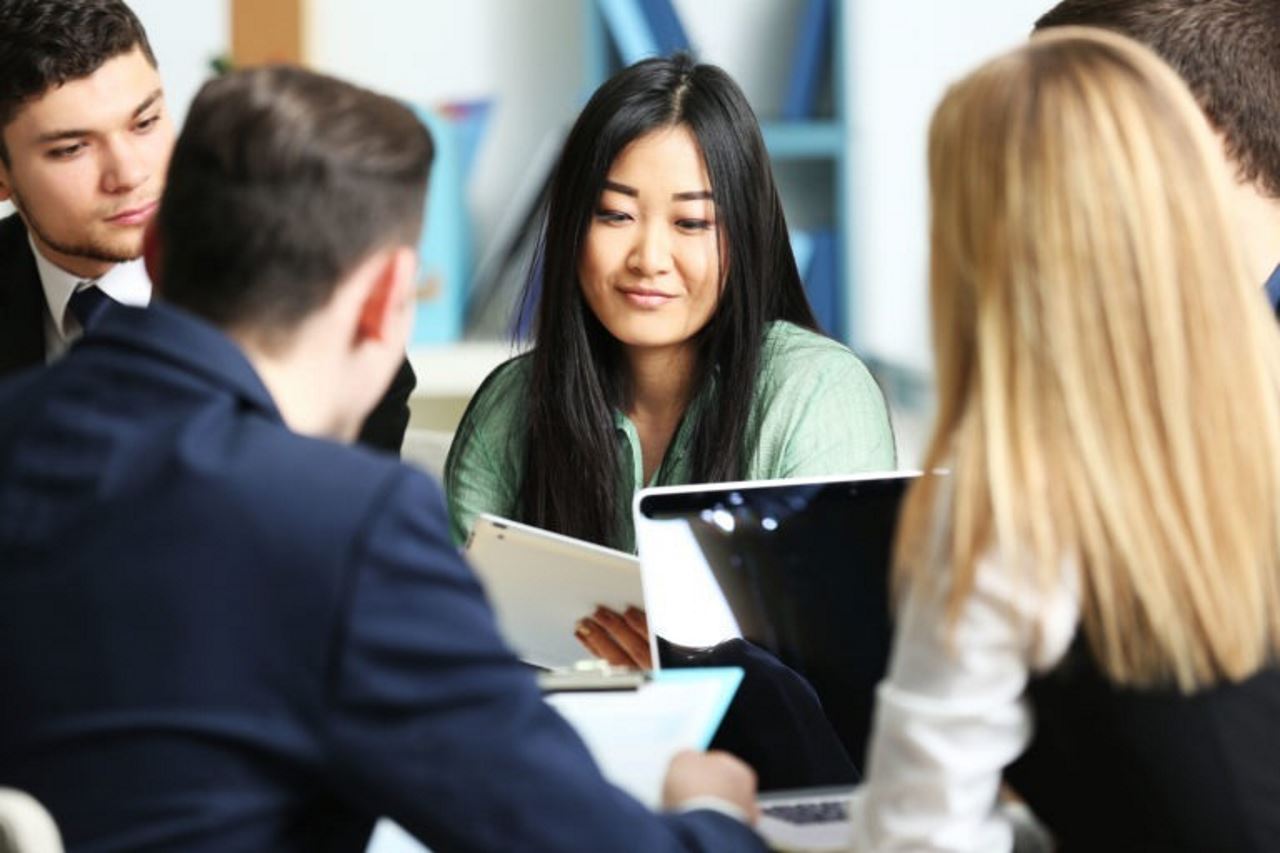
{"x":647,"y":298}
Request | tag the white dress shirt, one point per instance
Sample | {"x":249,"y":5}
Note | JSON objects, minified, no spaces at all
{"x":952,"y":713}
{"x":126,"y":283}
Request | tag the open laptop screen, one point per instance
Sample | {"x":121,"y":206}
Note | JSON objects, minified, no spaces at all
{"x":797,"y":567}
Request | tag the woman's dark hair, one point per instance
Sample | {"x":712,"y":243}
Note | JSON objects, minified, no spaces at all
{"x":579,"y":373}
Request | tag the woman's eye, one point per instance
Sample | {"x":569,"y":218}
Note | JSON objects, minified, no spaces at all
{"x":693,"y":224}
{"x":611,"y":216}
{"x":147,"y":123}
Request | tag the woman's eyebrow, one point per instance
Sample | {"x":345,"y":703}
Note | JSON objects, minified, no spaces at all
{"x":621,"y":188}
{"x":691,"y":195}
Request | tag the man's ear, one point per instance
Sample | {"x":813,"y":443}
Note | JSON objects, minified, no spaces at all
{"x":6,"y":181}
{"x":153,"y":254}
{"x":6,"y":188}
{"x":385,"y":298}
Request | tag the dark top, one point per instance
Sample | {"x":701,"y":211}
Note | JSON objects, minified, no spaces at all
{"x":22,"y":344}
{"x":219,"y":635}
{"x":1126,"y":770}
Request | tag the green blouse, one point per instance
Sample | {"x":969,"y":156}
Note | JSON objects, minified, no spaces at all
{"x":817,"y":411}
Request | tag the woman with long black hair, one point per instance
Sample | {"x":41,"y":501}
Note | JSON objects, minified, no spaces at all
{"x":674,"y":342}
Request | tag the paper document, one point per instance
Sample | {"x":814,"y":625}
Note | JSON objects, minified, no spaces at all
{"x":633,"y":734}
{"x":390,"y":837}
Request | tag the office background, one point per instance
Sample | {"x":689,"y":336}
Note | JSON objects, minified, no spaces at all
{"x":535,"y":61}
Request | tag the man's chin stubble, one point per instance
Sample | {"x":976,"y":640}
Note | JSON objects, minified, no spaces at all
{"x":87,"y":251}
{"x":93,"y":252}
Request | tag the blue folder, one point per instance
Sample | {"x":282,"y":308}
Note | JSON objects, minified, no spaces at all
{"x":808,"y":61}
{"x":630,"y":29}
{"x":665,"y":25}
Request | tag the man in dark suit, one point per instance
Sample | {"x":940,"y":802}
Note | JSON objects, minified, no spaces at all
{"x":1226,"y":51}
{"x":222,"y":629}
{"x":85,"y":140}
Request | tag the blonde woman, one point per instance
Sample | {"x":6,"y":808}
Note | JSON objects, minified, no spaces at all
{"x":1089,"y":604}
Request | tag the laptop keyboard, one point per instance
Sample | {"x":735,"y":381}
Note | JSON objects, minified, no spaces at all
{"x":819,"y":811}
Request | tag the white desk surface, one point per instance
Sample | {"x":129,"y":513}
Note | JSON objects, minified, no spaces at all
{"x":456,"y":370}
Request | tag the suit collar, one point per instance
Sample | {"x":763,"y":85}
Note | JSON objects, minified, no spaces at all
{"x":22,"y":306}
{"x":125,"y":282}
{"x":183,"y":339}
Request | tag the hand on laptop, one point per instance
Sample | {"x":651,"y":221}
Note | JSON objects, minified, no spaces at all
{"x":619,"y":639}
{"x":711,"y":774}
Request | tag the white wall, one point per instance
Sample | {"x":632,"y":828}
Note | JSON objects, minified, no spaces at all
{"x":900,"y":58}
{"x":526,"y":56}
{"x":185,"y":36}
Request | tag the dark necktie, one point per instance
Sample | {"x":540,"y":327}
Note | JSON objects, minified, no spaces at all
{"x":87,"y":305}
{"x":1273,"y":291}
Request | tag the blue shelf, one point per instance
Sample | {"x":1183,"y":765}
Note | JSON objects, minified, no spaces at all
{"x":800,"y":140}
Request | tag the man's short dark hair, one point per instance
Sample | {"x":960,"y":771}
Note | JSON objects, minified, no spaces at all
{"x":46,"y":43}
{"x":1228,"y":52}
{"x":282,"y":181}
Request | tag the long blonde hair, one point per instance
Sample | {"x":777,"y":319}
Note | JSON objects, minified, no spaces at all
{"x":1108,"y":376}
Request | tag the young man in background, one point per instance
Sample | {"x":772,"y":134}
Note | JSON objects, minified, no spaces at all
{"x":1228,"y":52}
{"x":85,"y":139}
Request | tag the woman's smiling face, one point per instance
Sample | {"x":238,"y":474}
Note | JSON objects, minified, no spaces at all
{"x":651,"y":262}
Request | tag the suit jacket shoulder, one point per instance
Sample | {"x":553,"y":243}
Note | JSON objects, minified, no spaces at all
{"x":21,"y":300}
{"x":280,"y":612}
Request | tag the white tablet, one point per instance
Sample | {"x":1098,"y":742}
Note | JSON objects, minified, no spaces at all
{"x":541,"y":583}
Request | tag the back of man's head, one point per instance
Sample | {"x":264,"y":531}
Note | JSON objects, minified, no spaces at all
{"x":282,"y":182}
{"x":1228,"y":52}
{"x":45,"y":43}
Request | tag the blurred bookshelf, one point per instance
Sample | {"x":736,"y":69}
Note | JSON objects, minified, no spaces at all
{"x":803,"y":139}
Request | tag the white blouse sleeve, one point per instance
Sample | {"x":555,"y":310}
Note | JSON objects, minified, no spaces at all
{"x":951,"y":714}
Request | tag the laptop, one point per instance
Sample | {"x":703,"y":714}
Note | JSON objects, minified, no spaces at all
{"x":541,"y":583}
{"x":799,"y":568}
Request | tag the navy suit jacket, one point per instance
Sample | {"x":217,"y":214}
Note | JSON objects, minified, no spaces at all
{"x":216,"y":634}
{"x":22,"y":344}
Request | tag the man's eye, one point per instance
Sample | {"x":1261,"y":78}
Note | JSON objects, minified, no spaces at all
{"x":65,"y":151}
